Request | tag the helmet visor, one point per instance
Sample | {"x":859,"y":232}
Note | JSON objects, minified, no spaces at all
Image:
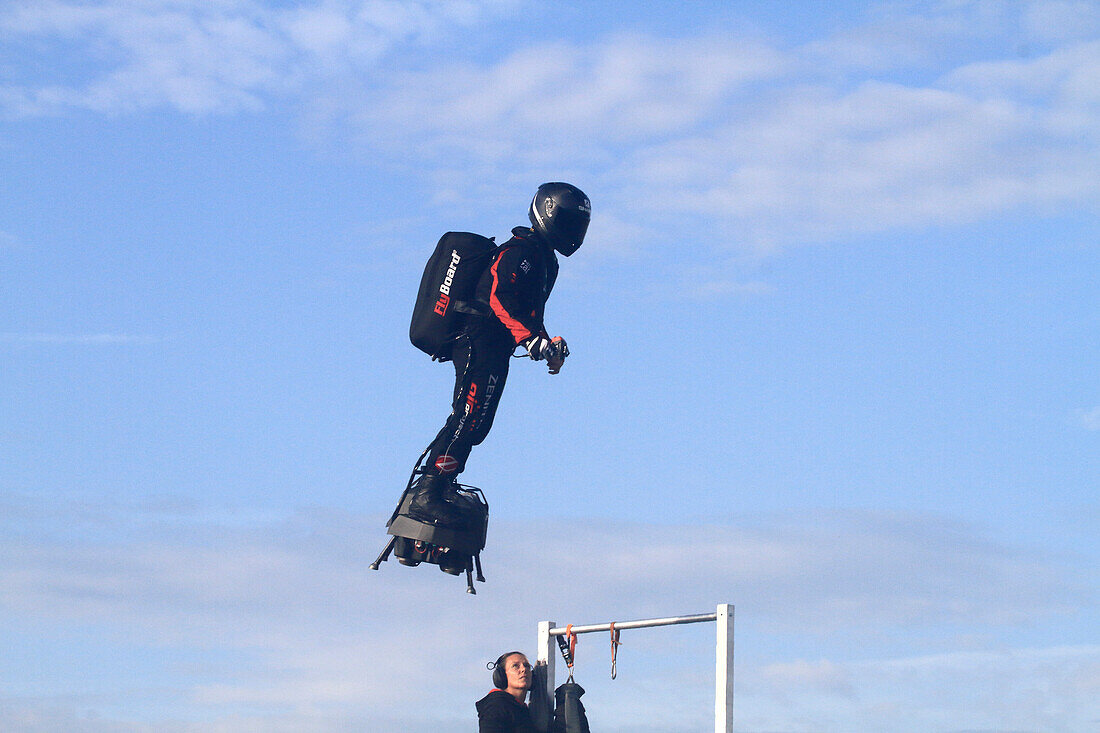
{"x":570,"y":226}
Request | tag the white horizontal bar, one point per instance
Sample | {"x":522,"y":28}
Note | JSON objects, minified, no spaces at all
{"x":671,"y":621}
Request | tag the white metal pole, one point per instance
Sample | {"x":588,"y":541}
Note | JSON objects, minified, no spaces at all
{"x":546,"y":656}
{"x":642,"y":624}
{"x":723,"y":670}
{"x":723,"y":665}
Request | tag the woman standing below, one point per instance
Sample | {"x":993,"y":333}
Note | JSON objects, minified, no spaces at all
{"x":504,"y":709}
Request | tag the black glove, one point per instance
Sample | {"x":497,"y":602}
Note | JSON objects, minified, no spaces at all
{"x":540,"y":347}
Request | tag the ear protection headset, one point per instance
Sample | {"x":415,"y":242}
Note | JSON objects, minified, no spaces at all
{"x":500,"y":675}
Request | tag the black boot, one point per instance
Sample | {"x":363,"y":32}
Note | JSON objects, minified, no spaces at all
{"x":429,"y":502}
{"x":469,"y":508}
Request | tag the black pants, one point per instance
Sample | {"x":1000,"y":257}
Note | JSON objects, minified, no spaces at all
{"x":481,"y":366}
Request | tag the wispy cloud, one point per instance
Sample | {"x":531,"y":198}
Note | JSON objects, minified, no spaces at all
{"x":297,"y":629}
{"x":821,"y":675}
{"x":891,"y":124}
{"x":620,"y":91}
{"x":203,"y":57}
{"x":961,"y":691}
{"x":808,"y":157}
{"x":1089,"y":419}
{"x":1061,"y":20}
{"x":817,"y":163}
{"x":77,"y":339}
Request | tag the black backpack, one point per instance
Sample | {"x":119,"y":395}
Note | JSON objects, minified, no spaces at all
{"x":447,"y":290}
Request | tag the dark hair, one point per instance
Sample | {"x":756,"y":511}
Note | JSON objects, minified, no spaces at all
{"x":500,"y":676}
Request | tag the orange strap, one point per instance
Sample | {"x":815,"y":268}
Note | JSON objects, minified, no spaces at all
{"x":572,"y":648}
{"x":614,"y":648}
{"x":568,"y":648}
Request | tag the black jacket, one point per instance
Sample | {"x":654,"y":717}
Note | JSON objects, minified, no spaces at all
{"x":499,"y":712}
{"x":517,"y":284}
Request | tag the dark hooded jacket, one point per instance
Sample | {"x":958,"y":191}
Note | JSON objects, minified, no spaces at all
{"x":499,"y":712}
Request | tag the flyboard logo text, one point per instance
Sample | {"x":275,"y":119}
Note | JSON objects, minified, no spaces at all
{"x":468,"y":413}
{"x":445,"y":288}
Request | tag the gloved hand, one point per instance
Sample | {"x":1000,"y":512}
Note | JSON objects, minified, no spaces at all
{"x":540,"y":347}
{"x":553,"y":350}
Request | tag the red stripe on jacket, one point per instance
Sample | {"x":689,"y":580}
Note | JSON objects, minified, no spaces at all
{"x":519,"y":332}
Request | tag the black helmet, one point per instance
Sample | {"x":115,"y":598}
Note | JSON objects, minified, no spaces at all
{"x":560,"y":214}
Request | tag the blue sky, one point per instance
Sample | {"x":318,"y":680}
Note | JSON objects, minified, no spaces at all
{"x":834,"y":339}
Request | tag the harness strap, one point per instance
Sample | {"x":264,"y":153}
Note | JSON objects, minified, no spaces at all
{"x":568,"y":647}
{"x":614,"y":648}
